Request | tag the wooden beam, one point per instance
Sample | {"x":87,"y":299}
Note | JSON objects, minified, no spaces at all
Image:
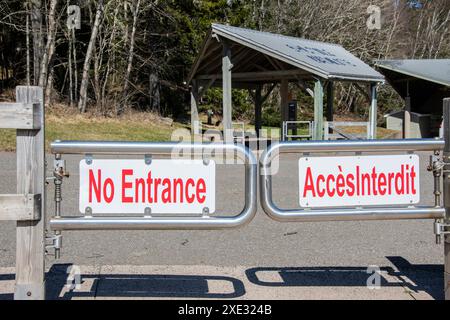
{"x":302,"y":86}
{"x":284,"y":93}
{"x":195,"y":98}
{"x":20,"y":207}
{"x":330,"y":101}
{"x":373,"y":112}
{"x":214,"y":63}
{"x":239,"y":54}
{"x":258,"y":110}
{"x":259,"y":67}
{"x":407,"y":114}
{"x":245,"y":62}
{"x":318,"y":111}
{"x":255,"y":76}
{"x":274,"y":62}
{"x":205,"y":87}
{"x":268,"y":93}
{"x":227,"y":92}
{"x":197,"y":61}
{"x":30,"y":246}
{"x":236,"y":85}
{"x":24,"y":116}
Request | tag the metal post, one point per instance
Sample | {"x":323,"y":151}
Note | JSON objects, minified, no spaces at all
{"x":318,"y":111}
{"x":446,"y":175}
{"x":195,"y":122}
{"x":30,"y":247}
{"x":373,"y":112}
{"x":227,"y":92}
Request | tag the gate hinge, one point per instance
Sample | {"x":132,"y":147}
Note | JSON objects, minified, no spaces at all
{"x":55,"y":243}
{"x":441,"y":229}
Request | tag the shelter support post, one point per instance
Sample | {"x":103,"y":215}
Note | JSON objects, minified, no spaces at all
{"x":284,"y":93}
{"x":195,"y":121}
{"x":373,"y":112}
{"x":407,"y":119}
{"x":330,"y":98}
{"x":447,"y":197}
{"x":318,"y":111}
{"x":258,"y":110}
{"x":30,"y":246}
{"x":227,"y":92}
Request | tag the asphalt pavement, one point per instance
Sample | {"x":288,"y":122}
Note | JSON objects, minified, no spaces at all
{"x":308,"y":260}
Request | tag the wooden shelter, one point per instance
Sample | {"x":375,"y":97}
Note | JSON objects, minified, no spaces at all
{"x":240,"y":58}
{"x":422,"y":83}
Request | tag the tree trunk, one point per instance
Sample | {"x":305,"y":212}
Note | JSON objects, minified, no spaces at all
{"x":50,"y":46}
{"x":111,"y":57}
{"x":36,"y":29}
{"x":87,"y":60}
{"x":155,"y":99}
{"x":75,"y":66}
{"x":49,"y":87}
{"x":136,"y":4}
{"x":28,"y":47}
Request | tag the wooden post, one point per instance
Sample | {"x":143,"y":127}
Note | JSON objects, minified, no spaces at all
{"x":227,"y":93}
{"x":330,"y":107}
{"x":258,"y":110}
{"x":373,"y":112}
{"x":407,"y":119}
{"x":195,"y":122}
{"x":446,"y":176}
{"x":318,"y":111}
{"x":284,"y":92}
{"x":330,"y":99}
{"x":30,"y":248}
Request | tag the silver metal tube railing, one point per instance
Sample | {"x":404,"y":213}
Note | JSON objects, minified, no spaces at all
{"x":161,"y":223}
{"x":347,"y":214}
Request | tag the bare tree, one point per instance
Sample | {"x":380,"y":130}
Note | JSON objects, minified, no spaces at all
{"x":135,"y":9}
{"x":87,"y":60}
{"x":38,"y":40}
{"x":50,"y":46}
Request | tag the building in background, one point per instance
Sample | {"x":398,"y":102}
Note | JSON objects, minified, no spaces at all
{"x":423,"y":84}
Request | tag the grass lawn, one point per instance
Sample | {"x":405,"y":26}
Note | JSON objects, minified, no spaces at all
{"x":130,"y":127}
{"x":80,"y":127}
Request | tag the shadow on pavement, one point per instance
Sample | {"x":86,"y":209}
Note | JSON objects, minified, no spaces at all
{"x":143,"y":286}
{"x":413,"y":277}
{"x":6,"y":277}
{"x":427,"y":278}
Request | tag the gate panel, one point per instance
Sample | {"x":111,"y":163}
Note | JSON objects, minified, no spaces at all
{"x":343,"y":214}
{"x":166,"y":150}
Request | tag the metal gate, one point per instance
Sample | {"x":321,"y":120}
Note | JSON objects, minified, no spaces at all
{"x":356,"y":212}
{"x":149,"y":150}
{"x":28,"y":208}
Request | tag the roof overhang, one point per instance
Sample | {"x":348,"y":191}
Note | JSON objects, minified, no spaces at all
{"x":276,"y":56}
{"x":432,"y":70}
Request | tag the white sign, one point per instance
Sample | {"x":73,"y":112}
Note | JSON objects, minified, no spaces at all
{"x":359,"y":181}
{"x":135,"y":187}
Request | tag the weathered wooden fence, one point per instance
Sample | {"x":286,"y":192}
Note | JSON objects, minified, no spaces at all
{"x":27,"y":207}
